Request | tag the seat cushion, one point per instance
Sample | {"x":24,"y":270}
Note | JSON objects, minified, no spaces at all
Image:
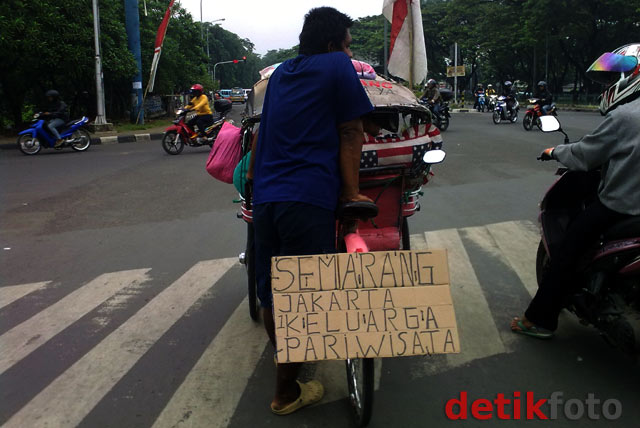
{"x":628,"y":228}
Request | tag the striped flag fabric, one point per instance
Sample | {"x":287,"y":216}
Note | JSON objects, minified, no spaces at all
{"x":406,"y":149}
{"x":407,"y":53}
{"x":158,"y":46}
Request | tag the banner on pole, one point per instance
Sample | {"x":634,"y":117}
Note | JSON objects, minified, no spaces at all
{"x":158,"y":46}
{"x":407,"y":53}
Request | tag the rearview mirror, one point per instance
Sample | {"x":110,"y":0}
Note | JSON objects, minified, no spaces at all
{"x":434,"y":156}
{"x":549,"y":124}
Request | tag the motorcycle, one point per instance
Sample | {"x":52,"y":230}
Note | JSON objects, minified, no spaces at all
{"x":480,"y":102}
{"x":180,"y":133}
{"x":31,"y":140}
{"x":493,"y":101}
{"x":609,"y":274}
{"x":441,"y":119}
{"x":534,"y":112}
{"x":501,"y":112}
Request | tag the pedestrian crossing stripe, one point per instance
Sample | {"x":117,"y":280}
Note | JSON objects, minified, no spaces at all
{"x":214,"y":386}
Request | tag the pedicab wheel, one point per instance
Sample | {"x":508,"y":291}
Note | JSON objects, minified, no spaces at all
{"x":406,"y":238}
{"x":496,"y":117}
{"x":29,"y":145}
{"x":83,"y":140}
{"x":360,"y":380}
{"x":527,"y":121}
{"x":251,"y":273}
{"x":172,"y":143}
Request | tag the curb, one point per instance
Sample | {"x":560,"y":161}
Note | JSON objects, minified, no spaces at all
{"x":120,"y":139}
{"x":114,"y":139}
{"x":464,"y":110}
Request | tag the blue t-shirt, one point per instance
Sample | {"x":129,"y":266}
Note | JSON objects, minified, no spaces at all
{"x":297,"y":158}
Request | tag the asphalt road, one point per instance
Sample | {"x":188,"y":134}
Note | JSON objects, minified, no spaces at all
{"x":123,"y":305}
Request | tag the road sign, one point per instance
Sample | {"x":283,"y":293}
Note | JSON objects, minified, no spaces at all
{"x":455,"y":71}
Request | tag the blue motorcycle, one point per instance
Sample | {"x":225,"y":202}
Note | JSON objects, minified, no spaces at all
{"x":31,"y":140}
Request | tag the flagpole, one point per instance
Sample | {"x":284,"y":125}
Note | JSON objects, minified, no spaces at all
{"x":411,"y":59}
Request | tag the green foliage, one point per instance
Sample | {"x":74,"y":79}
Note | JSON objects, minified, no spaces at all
{"x":368,"y":40}
{"x":280,"y":55}
{"x":49,"y":44}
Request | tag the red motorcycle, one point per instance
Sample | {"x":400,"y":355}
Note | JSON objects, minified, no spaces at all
{"x":534,"y":112}
{"x":609,"y":276}
{"x":180,"y":133}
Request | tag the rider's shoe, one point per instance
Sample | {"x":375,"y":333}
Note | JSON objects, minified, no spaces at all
{"x":59,"y":143}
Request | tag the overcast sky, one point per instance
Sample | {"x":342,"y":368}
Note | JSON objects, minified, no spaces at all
{"x":272,"y":24}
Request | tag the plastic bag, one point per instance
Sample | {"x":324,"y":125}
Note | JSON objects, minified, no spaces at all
{"x":226,"y":153}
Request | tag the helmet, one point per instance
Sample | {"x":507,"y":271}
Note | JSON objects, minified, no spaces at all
{"x":489,"y":85}
{"x":479,"y":85}
{"x":508,"y":83}
{"x":196,"y":90}
{"x":620,"y":72}
{"x":431,"y":82}
{"x":542,"y":83}
{"x":53,"y":94}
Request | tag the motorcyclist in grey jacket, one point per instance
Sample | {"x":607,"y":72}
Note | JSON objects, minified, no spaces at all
{"x":614,"y":148}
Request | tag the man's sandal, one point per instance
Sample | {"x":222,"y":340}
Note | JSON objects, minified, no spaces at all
{"x":310,"y":393}
{"x":533,"y":331}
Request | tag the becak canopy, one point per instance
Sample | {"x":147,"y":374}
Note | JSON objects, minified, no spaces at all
{"x":381,"y":92}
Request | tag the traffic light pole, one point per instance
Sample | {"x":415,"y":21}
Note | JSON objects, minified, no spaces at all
{"x":235,"y":61}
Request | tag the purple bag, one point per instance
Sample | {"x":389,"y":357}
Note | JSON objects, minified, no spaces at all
{"x":226,"y":153}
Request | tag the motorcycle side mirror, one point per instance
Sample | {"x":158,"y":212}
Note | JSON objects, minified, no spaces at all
{"x":549,"y":124}
{"x":434,"y":156}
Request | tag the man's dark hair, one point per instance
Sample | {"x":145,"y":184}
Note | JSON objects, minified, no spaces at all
{"x":323,"y":25}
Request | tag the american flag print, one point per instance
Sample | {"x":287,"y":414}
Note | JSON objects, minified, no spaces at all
{"x":406,"y":149}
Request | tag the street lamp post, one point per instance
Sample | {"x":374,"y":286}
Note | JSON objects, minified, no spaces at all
{"x":100,"y":116}
{"x":209,"y":56}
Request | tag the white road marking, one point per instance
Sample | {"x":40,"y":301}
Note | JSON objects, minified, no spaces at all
{"x":211,"y":391}
{"x":518,"y":243}
{"x":26,"y":337}
{"x":12,"y":293}
{"x":479,"y":335}
{"x":71,"y":396}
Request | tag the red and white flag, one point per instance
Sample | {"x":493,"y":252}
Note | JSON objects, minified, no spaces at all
{"x":158,"y":47}
{"x":407,"y":54}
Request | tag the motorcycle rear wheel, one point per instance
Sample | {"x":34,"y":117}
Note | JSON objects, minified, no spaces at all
{"x":496,"y":117}
{"x":85,"y":140}
{"x":172,"y":143}
{"x":527,"y":121}
{"x":443,"y":123}
{"x":29,"y":145}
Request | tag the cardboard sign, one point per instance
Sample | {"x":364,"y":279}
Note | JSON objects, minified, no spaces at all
{"x":363,"y":305}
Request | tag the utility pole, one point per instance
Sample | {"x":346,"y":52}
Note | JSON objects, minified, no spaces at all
{"x":132,"y":25}
{"x":546,"y":60}
{"x":101,"y":119}
{"x":386,"y":47}
{"x":455,"y":73}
